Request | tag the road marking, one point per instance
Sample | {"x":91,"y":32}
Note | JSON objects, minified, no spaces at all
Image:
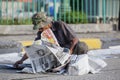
{"x":93,"y":43}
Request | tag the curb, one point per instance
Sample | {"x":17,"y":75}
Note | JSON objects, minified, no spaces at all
{"x":92,"y":43}
{"x":78,"y":28}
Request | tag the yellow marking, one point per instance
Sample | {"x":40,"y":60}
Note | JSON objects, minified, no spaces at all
{"x":93,"y":43}
{"x":26,"y":43}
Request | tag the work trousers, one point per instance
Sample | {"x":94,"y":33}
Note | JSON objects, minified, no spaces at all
{"x":80,"y":48}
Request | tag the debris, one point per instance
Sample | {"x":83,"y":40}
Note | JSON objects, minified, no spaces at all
{"x":9,"y":57}
{"x":44,"y":58}
{"x":26,"y":70}
{"x":96,"y":64}
{"x":78,"y":65}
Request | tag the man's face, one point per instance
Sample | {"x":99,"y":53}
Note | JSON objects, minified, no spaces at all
{"x":44,"y":28}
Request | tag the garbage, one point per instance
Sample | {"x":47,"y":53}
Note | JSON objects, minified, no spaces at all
{"x":78,"y":65}
{"x":9,"y":58}
{"x":26,"y":70}
{"x":10,"y":66}
{"x":96,"y":64}
{"x":48,"y":36}
{"x":44,"y":57}
{"x":83,"y":64}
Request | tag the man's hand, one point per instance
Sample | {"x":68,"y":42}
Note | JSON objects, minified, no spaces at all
{"x":16,"y":65}
{"x":71,"y":51}
{"x":74,"y":42}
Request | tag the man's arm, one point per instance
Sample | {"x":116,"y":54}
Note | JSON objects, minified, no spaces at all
{"x":24,"y":57}
{"x":16,"y":65}
{"x":70,"y":35}
{"x":73,"y":43}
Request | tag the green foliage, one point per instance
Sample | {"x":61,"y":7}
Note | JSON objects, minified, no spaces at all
{"x":74,"y":17}
{"x":16,"y":22}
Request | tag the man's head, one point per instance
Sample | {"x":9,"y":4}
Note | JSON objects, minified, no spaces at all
{"x":40,"y":20}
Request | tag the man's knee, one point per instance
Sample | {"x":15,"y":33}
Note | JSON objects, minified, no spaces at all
{"x":80,"y":48}
{"x":83,"y":47}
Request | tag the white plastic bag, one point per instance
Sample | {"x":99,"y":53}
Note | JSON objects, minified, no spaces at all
{"x":78,"y":65}
{"x":96,"y":64}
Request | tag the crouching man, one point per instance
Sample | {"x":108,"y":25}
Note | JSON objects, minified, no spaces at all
{"x":65,"y":36}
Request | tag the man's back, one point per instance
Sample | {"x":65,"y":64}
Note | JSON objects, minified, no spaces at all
{"x":63,"y":33}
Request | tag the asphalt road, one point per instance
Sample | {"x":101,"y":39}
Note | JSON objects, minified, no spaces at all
{"x":111,"y":72}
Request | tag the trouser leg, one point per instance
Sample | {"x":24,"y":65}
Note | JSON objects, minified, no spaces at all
{"x":80,"y":48}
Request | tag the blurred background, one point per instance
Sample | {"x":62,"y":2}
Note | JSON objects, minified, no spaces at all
{"x":69,"y":11}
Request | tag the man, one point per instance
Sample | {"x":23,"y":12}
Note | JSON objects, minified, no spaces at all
{"x":64,"y":34}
